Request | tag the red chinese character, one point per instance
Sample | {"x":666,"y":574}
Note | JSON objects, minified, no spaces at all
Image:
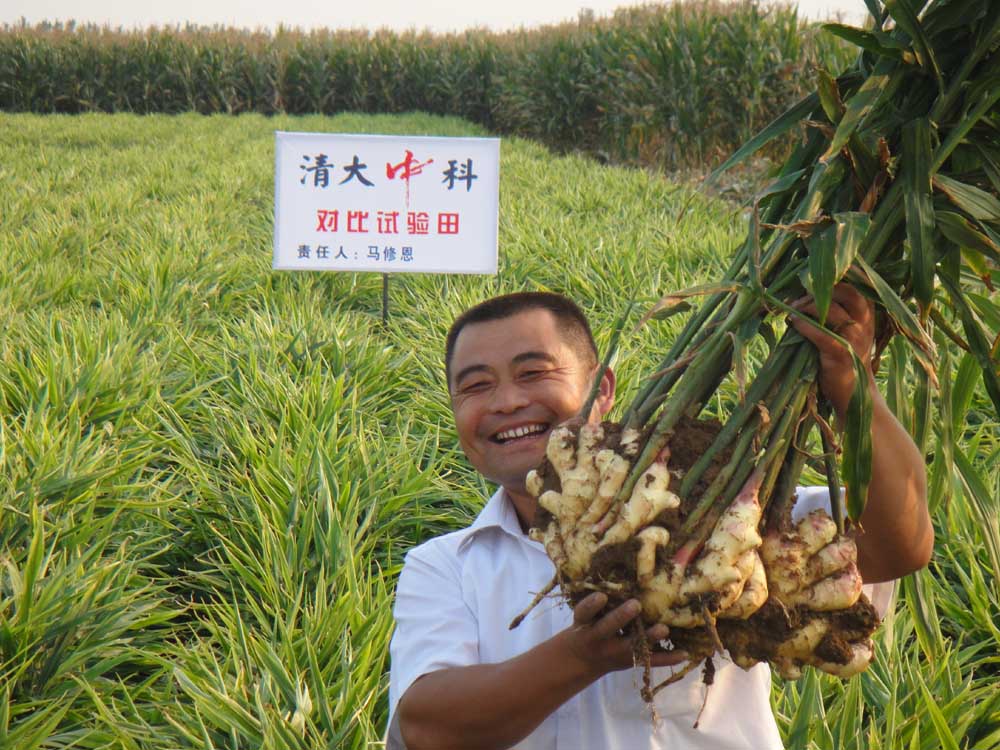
{"x":387,"y":222}
{"x":326,"y":221}
{"x":356,"y":221}
{"x":407,"y":168}
{"x":417,"y":222}
{"x":447,"y":223}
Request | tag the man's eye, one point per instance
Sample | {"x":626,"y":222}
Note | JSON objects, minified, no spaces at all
{"x":533,"y":373}
{"x":479,"y":385}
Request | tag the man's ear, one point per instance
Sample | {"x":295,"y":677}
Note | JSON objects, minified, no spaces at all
{"x":606,"y":395}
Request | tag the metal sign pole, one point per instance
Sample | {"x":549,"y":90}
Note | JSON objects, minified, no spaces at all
{"x":385,"y":300}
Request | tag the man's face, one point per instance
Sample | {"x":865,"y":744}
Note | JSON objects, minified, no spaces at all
{"x":512,"y":381}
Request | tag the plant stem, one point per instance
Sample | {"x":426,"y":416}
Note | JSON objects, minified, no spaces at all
{"x":770,"y":373}
{"x":741,"y":463}
{"x":779,"y":495}
{"x":778,"y":441}
{"x":694,"y":334}
{"x":616,"y":335}
{"x":832,"y":477}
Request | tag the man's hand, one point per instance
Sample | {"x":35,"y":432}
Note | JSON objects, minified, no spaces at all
{"x":606,"y":644}
{"x":852,"y":317}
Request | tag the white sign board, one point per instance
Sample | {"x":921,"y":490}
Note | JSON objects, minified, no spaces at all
{"x":385,"y":203}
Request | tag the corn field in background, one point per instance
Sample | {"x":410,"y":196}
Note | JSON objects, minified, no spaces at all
{"x":211,"y":471}
{"x":669,"y":86}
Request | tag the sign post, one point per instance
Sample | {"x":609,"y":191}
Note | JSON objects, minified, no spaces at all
{"x":385,"y":300}
{"x":385,"y":204}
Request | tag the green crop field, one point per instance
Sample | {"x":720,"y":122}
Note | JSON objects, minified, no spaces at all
{"x":211,"y":471}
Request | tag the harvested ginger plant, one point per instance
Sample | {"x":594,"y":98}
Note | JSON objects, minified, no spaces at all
{"x":893,"y":188}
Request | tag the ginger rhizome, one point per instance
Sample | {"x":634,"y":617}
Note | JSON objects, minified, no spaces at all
{"x":709,"y":592}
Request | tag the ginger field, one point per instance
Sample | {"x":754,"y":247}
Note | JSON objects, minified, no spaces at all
{"x":211,"y":471}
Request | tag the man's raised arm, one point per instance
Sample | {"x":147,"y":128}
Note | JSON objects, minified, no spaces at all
{"x":897,"y":536}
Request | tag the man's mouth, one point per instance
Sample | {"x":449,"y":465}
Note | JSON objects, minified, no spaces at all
{"x":520,"y":433}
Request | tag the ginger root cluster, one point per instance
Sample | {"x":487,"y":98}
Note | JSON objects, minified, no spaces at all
{"x":780,"y":596}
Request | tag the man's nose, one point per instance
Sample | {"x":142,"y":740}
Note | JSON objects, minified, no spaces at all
{"x":509,"y":397}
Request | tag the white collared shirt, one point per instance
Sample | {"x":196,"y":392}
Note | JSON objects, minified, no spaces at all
{"x":456,"y":596}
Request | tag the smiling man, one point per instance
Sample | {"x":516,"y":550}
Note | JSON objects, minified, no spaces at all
{"x":517,"y":366}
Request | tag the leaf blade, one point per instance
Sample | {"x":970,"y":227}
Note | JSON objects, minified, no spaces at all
{"x":917,"y":199}
{"x":905,"y":320}
{"x":778,"y":127}
{"x":879,"y":87}
{"x":975,"y":202}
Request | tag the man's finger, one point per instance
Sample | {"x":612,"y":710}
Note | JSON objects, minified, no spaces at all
{"x":809,"y":329}
{"x":858,"y":306}
{"x":837,"y":314}
{"x":658,"y":632}
{"x":586,"y":610}
{"x":617,"y":619}
{"x":837,"y":319}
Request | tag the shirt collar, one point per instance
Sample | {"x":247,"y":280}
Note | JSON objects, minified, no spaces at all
{"x":498,"y":513}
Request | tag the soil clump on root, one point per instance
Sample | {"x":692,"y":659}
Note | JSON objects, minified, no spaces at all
{"x":760,"y":636}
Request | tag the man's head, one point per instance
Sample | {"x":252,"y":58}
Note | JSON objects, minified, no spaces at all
{"x":517,"y":366}
{"x":571,"y":321}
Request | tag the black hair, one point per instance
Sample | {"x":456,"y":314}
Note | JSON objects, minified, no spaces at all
{"x":569,"y":317}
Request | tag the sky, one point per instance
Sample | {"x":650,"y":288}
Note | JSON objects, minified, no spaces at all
{"x":399,"y":15}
